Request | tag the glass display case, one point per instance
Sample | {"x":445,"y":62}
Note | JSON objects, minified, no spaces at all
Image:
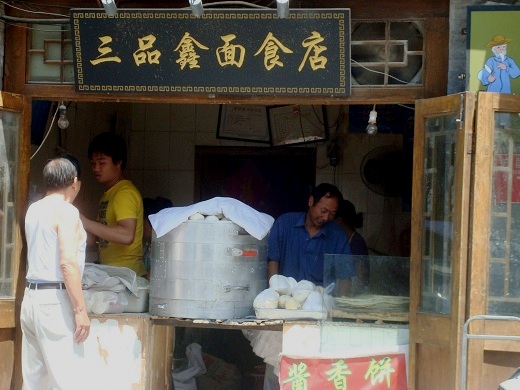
{"x":9,"y":134}
{"x":464,"y":250}
{"x":379,"y":291}
{"x":14,"y":161}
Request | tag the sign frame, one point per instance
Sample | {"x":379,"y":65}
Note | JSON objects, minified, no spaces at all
{"x":225,"y":51}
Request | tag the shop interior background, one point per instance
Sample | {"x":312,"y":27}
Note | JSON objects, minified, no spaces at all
{"x":162,"y":141}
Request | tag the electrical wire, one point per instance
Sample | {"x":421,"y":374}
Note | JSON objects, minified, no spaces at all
{"x":33,"y":28}
{"x":48,"y":132}
{"x":14,"y":19}
{"x":33,"y":20}
{"x":30,"y":11}
{"x":376,"y":71}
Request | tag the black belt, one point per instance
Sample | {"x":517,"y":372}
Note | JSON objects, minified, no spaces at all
{"x":45,"y":285}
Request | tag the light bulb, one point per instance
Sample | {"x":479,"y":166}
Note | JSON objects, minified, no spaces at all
{"x":372,"y":119}
{"x":63,"y":122}
{"x":371,"y":129}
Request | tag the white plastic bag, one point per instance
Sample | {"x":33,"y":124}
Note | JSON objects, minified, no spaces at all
{"x":105,"y":302}
{"x":185,"y":379}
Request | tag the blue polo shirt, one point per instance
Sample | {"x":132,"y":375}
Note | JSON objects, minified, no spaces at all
{"x":301,"y":256}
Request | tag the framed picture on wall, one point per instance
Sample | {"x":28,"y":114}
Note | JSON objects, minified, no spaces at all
{"x":493,"y":49}
{"x":296,"y":124}
{"x":243,"y":123}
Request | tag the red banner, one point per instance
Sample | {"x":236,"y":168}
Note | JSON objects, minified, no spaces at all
{"x":384,"y":372}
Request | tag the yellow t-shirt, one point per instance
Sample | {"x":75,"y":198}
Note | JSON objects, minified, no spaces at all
{"x":122,"y":201}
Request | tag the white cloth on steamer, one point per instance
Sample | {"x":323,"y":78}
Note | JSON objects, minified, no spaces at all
{"x":109,"y":278}
{"x":257,"y":224}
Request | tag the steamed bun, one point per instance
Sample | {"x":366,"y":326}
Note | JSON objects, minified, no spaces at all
{"x":304,"y":285}
{"x":280,"y":284}
{"x":267,"y":299}
{"x":313,"y":302}
{"x":292,"y":304}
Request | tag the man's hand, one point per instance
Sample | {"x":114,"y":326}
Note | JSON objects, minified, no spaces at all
{"x":82,"y":327}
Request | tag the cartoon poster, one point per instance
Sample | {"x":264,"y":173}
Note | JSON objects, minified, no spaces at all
{"x":493,"y":57}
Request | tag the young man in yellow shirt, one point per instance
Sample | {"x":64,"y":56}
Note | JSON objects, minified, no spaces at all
{"x":119,"y":223}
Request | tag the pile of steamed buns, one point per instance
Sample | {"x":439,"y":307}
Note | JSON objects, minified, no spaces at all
{"x":286,"y":293}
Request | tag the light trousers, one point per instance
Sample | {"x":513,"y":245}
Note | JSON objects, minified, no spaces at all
{"x":50,"y":357}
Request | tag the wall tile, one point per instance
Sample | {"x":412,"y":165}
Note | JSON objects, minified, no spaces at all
{"x":181,"y":187}
{"x":353,"y":189}
{"x":157,"y":117}
{"x":138,"y":116}
{"x":137,"y":177}
{"x":136,"y":153}
{"x":183,"y":117}
{"x":324,"y":178}
{"x":156,"y":150}
{"x":356,"y":146}
{"x":155,"y":183}
{"x":207,"y":117}
{"x":206,"y":138}
{"x":182,"y":151}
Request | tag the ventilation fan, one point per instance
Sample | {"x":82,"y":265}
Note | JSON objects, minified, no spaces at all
{"x":384,"y":172}
{"x":385,"y":52}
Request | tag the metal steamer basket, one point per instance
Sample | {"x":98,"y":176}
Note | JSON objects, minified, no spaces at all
{"x":207,"y":270}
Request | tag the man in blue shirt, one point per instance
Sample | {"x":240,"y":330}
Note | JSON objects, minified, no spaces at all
{"x":299,"y":240}
{"x":297,"y":244}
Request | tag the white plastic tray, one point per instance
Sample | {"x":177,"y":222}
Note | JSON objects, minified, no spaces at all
{"x":284,"y":314}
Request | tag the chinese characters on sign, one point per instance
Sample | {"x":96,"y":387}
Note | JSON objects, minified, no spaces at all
{"x":385,"y":372}
{"x":227,"y":51}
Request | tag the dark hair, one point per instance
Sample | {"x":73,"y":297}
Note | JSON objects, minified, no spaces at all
{"x":111,"y":144}
{"x":347,"y":212}
{"x":74,"y":162}
{"x":59,"y":173}
{"x":327,"y":190}
{"x":152,"y":206}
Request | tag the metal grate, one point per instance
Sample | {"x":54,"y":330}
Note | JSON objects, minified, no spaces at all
{"x":387,"y":53}
{"x":50,"y":55}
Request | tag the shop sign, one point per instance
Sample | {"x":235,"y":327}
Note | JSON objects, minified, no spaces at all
{"x":382,"y":372}
{"x":223,"y":52}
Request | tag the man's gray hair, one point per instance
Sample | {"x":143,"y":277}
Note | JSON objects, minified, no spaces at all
{"x":59,"y":173}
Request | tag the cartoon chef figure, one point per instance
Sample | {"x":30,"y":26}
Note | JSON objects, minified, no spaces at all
{"x":499,"y":69}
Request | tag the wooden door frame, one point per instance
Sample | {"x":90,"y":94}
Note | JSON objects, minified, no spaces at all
{"x":422,"y":323}
{"x":478,"y":277}
{"x":10,"y":307}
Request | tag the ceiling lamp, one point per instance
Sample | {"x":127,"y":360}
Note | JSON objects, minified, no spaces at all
{"x":282,"y":8}
{"x":110,"y":7}
{"x":372,"y":119}
{"x":63,"y":122}
{"x":196,"y":8}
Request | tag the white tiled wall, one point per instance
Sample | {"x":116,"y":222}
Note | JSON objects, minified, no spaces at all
{"x":161,"y":158}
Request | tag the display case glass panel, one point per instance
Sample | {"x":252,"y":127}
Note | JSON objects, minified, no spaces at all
{"x":439,"y":195}
{"x":504,"y":238}
{"x":9,"y":134}
{"x":380,"y":289}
